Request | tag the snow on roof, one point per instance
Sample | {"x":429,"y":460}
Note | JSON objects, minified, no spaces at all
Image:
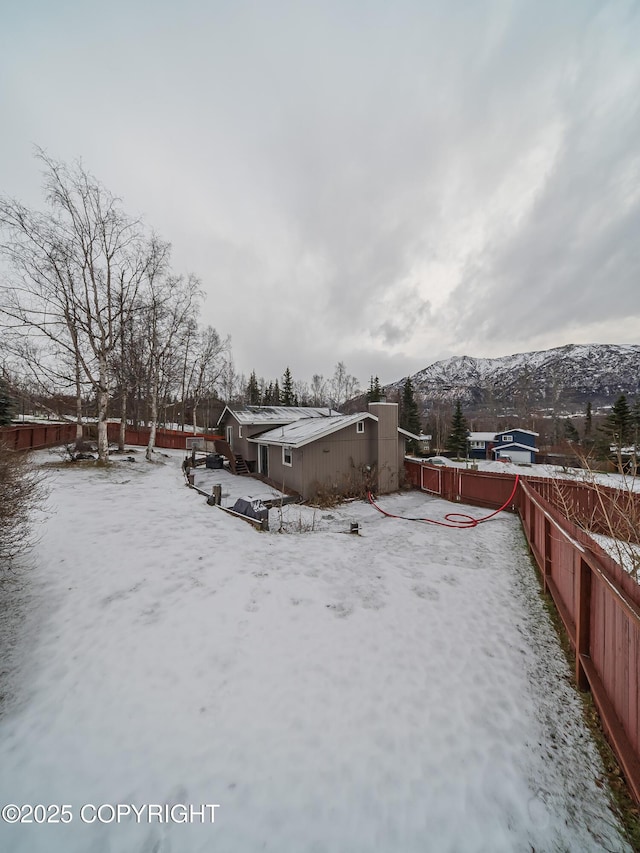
{"x":275,"y":414}
{"x":410,"y":434}
{"x":306,"y":430}
{"x":515,"y":444}
{"x":491,"y":436}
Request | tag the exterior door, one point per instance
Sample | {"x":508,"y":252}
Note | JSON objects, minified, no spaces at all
{"x":230,"y":436}
{"x":263,"y":456}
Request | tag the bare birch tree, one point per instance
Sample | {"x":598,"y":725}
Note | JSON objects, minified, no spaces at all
{"x":342,"y":387}
{"x":170,"y":302}
{"x":78,"y":269}
{"x":207,"y":367}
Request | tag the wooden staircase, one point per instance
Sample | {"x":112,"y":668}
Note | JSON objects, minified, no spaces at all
{"x":241,"y":465}
{"x":237,"y":464}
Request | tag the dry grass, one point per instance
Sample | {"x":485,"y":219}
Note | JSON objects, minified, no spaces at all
{"x":23,"y":491}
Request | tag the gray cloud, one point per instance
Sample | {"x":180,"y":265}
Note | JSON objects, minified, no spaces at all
{"x":381,"y":184}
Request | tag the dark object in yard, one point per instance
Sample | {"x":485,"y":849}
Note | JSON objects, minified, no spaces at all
{"x":355,"y":528}
{"x":214,"y":460}
{"x":252,"y":509}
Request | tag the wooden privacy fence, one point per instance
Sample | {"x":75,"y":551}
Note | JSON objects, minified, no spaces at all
{"x":598,"y":601}
{"x":599,"y":604}
{"x":173,"y":439}
{"x":37,"y":436}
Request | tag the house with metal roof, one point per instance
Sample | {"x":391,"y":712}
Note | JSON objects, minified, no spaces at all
{"x":313,"y":450}
{"x":241,"y":424}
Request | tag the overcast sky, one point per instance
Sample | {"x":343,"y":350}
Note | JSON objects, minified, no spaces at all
{"x":383,"y":183}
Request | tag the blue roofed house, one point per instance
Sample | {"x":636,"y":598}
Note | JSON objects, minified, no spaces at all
{"x":510,"y":445}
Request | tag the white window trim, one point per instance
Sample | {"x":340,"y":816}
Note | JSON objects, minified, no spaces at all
{"x":360,"y":427}
{"x":239,"y":432}
{"x":229,"y":435}
{"x":507,"y":438}
{"x":284,"y":461}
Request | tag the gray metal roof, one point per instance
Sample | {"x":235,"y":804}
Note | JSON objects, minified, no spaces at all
{"x":310,"y":429}
{"x":275,"y":414}
{"x":307,"y":430}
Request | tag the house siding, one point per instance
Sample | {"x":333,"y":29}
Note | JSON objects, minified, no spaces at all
{"x":245,"y":448}
{"x":335,"y":462}
{"x":388,"y":449}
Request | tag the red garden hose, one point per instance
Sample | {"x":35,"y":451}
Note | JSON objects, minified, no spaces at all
{"x":458,"y":520}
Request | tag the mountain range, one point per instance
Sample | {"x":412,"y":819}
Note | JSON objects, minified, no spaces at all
{"x":564,"y":378}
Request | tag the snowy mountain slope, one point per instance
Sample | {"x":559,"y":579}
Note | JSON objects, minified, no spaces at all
{"x":571,"y":374}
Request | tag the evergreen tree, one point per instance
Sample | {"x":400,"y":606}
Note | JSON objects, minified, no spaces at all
{"x":268,"y":395}
{"x":618,"y":426}
{"x":635,"y":421}
{"x":410,"y":415}
{"x":6,"y":404}
{"x":375,"y":391}
{"x":457,"y":439}
{"x":587,"y":421}
{"x":617,"y":431}
{"x":253,"y":390}
{"x":570,"y":432}
{"x":276,"y":394}
{"x":287,"y":397}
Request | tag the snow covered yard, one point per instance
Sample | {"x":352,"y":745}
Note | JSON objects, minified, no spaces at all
{"x":398,"y":691}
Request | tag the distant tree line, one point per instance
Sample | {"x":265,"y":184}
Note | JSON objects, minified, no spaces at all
{"x":285,"y":391}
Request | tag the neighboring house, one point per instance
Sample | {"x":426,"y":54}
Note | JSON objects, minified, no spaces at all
{"x":480,"y":444}
{"x":424,"y":443}
{"x":518,"y":445}
{"x":311,"y":450}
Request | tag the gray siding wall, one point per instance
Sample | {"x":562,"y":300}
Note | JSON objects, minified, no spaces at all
{"x":335,"y":463}
{"x":388,"y":453}
{"x":240,"y":445}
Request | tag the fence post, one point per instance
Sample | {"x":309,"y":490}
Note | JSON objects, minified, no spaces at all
{"x":532,"y":524}
{"x":583,"y":622}
{"x":546,"y":568}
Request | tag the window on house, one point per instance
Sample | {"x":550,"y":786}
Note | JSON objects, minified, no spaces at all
{"x":239,"y":432}
{"x":507,"y":438}
{"x":360,"y":426}
{"x":477,"y":445}
{"x":287,"y":456}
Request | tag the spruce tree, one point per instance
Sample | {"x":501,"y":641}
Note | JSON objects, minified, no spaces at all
{"x":618,"y":426}
{"x":287,"y":397}
{"x":276,"y":394}
{"x":410,"y":414}
{"x":268,"y":395}
{"x":253,"y":390}
{"x":587,"y":421}
{"x":635,"y":422}
{"x":457,"y":438}
{"x":375,"y":391}
{"x":570,"y":432}
{"x":617,"y":430}
{"x":6,"y":404}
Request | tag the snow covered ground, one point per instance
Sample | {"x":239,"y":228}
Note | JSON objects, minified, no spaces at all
{"x":397,"y":691}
